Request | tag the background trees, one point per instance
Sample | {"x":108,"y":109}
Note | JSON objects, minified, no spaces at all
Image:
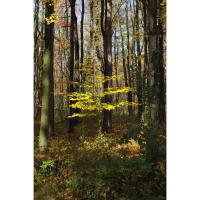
{"x":99,"y":47}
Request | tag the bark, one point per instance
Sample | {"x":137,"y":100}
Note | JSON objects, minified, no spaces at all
{"x":67,"y":18}
{"x":161,"y":70}
{"x":145,"y":38}
{"x":71,"y":62}
{"x":133,"y":55}
{"x":123,"y":58}
{"x":46,"y":80}
{"x":60,"y":50}
{"x":107,"y":44}
{"x":153,"y":57}
{"x":126,"y":80}
{"x":51,"y":100}
{"x":82,"y":53}
{"x":116,"y":62}
{"x":139,"y":65}
{"x":154,"y":66}
{"x":92,"y":37}
{"x":129,"y":94}
{"x":91,"y":24}
{"x":36,"y":60}
{"x":36,"y":20}
{"x":76,"y":42}
{"x":74,"y":63}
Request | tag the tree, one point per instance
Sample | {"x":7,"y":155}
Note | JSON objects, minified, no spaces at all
{"x":116,"y":52}
{"x":38,"y":57}
{"x":139,"y":64}
{"x":153,"y":59}
{"x":74,"y":63}
{"x":46,"y":78}
{"x":81,"y":30}
{"x":129,"y":95}
{"x":126,"y":66}
{"x":106,"y":28}
{"x":161,"y":70}
{"x":155,"y":76}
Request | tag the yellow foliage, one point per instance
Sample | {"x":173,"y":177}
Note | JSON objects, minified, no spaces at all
{"x":107,"y":106}
{"x":130,"y":149}
{"x":85,"y":106}
{"x":80,"y":115}
{"x":101,"y":143}
{"x":76,"y":96}
{"x":106,"y":144}
{"x":51,"y":19}
{"x":116,"y":90}
{"x":50,"y":2}
{"x":93,"y":102}
{"x":103,"y":79}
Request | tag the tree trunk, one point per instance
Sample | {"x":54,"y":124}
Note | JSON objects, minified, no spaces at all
{"x":107,"y":44}
{"x":129,"y":94}
{"x":139,"y":64}
{"x":67,"y":18}
{"x":46,"y":80}
{"x":153,"y":57}
{"x":145,"y":38}
{"x":133,"y":54}
{"x":81,"y":30}
{"x":51,"y":100}
{"x":74,"y":53}
{"x":153,"y":66}
{"x":76,"y":43}
{"x":116,"y":62}
{"x":161,"y":70}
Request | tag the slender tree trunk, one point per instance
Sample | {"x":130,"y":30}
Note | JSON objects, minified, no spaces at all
{"x":71,"y":64}
{"x":40,"y":64}
{"x":130,"y":108}
{"x":36,"y":60}
{"x":61,"y":77}
{"x":74,"y":54}
{"x":67,"y":18}
{"x":77,"y":57}
{"x":116,"y":51}
{"x":153,"y":56}
{"x":82,"y":53}
{"x":161,"y":70}
{"x":123,"y":58}
{"x":133,"y":54}
{"x":92,"y":37}
{"x":107,"y":44}
{"x":145,"y":38}
{"x":46,"y":80}
{"x":139,"y":64}
{"x":51,"y":100}
{"x":129,"y":95}
{"x":91,"y":24}
{"x":67,"y":52}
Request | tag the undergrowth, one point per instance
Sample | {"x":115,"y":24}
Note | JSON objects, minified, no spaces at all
{"x":101,"y":167}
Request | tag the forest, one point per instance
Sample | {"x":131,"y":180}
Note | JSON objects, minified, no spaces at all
{"x":99,"y":99}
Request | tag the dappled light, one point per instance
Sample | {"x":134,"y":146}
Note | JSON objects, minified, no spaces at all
{"x":99,"y":100}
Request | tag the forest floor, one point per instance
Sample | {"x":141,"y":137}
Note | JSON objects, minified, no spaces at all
{"x":90,"y":165}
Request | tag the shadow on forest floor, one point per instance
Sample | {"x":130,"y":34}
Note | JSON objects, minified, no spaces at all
{"x":93,"y":166}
